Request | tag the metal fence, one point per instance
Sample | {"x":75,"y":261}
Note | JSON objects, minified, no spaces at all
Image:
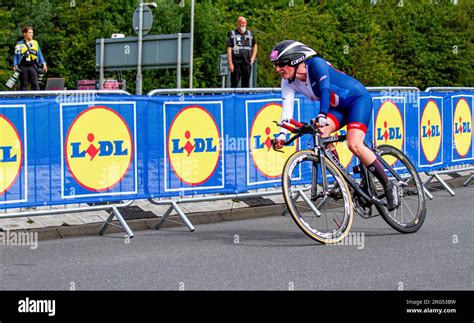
{"x":174,"y":203}
{"x":111,"y":208}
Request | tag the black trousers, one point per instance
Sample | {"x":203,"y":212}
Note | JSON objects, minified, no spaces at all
{"x":241,"y":72}
{"x":29,"y":75}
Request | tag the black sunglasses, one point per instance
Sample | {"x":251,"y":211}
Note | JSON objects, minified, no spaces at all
{"x":281,"y":63}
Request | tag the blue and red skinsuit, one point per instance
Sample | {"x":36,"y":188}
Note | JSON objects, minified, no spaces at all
{"x":343,"y":98}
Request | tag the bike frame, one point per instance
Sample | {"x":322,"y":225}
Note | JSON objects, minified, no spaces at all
{"x":320,"y":145}
{"x":365,"y":192}
{"x":320,"y":148}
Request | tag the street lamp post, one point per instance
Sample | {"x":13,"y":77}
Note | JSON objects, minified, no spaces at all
{"x":139,"y":79}
{"x":191,"y":41}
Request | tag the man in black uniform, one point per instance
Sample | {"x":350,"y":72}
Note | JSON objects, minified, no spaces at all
{"x":241,"y":53}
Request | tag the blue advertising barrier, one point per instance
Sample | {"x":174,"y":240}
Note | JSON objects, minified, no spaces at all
{"x":121,"y":147}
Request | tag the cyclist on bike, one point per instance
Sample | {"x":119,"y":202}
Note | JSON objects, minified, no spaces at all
{"x":343,"y":101}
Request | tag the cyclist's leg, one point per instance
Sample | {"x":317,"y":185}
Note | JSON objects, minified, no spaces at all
{"x":357,"y":123}
{"x":336,"y":120}
{"x":358,"y":119}
{"x":355,"y":143}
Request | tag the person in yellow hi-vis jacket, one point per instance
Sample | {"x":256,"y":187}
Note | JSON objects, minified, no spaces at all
{"x":29,"y":59}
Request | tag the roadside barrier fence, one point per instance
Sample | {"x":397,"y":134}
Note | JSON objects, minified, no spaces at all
{"x":75,"y":151}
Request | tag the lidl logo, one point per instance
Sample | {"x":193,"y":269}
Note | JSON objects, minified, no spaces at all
{"x":268,"y":162}
{"x":98,"y":148}
{"x":462,"y":127}
{"x":388,"y":134}
{"x":194,"y":145}
{"x":345,"y":155}
{"x":431,"y":131}
{"x":101,"y":149}
{"x":11,"y":154}
{"x":389,"y":129}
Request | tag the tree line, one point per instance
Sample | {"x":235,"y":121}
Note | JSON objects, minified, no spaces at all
{"x":390,"y":43}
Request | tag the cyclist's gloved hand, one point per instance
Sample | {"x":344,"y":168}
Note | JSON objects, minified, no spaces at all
{"x":321,"y":120}
{"x":279,"y":141}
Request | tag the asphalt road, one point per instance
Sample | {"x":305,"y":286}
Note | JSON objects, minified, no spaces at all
{"x":260,"y":254}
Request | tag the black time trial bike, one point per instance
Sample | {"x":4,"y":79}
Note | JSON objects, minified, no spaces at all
{"x":321,"y":194}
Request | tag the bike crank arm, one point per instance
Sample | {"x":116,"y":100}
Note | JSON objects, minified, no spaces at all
{"x":377,"y":201}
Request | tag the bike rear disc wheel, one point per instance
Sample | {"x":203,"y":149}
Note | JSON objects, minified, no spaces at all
{"x":409,"y":217}
{"x":326,"y":219}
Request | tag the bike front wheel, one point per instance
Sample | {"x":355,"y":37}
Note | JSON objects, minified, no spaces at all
{"x":321,"y":209}
{"x":409,"y":217}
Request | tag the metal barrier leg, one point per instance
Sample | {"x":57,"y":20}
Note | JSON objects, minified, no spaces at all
{"x":310,"y":204}
{"x":466,"y":183}
{"x":175,"y":206}
{"x":112,"y":209}
{"x":183,"y":217}
{"x":427,"y":193}
{"x":446,"y":186}
{"x":164,"y":217}
{"x":109,"y":221}
{"x":441,"y":181}
{"x":429,"y":179}
{"x":297,"y":196}
{"x":115,"y":213}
